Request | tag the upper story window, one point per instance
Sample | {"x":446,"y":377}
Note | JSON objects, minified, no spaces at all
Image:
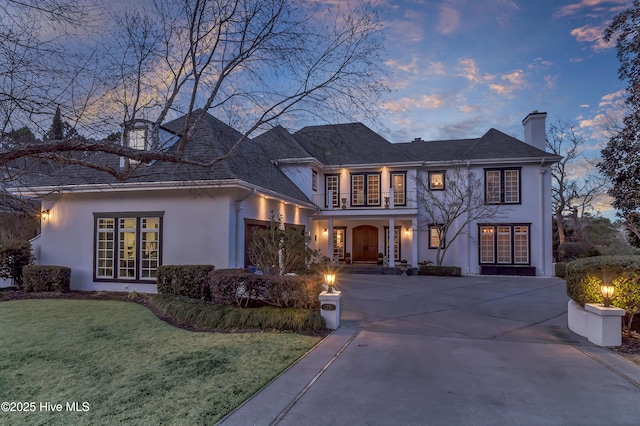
{"x":365,"y":189}
{"x":398,"y":183}
{"x":314,"y":180}
{"x":436,"y":180}
{"x":137,"y":138}
{"x":332,"y":184}
{"x":502,"y":186}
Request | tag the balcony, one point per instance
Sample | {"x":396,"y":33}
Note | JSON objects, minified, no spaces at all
{"x":361,"y":201}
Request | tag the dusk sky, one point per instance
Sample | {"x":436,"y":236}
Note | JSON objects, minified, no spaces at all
{"x":460,"y":67}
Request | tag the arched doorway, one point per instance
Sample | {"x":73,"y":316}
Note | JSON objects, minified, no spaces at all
{"x":365,"y":243}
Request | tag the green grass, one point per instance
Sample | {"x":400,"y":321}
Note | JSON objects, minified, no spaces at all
{"x":128,"y":365}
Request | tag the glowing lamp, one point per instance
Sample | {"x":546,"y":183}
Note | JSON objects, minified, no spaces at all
{"x":330,"y":280}
{"x":607,"y":289}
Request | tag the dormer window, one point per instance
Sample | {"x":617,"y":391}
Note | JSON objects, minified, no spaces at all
{"x":137,"y":138}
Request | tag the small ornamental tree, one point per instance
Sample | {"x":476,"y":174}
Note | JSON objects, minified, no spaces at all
{"x":279,"y":251}
{"x":451,"y":210}
{"x":14,"y":255}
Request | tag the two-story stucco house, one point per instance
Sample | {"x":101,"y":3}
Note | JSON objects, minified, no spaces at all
{"x":352,"y":191}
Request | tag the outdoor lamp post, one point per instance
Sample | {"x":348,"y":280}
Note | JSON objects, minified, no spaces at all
{"x":607,"y":289}
{"x":330,"y":280}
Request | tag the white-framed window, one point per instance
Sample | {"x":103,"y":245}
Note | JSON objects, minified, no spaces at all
{"x":332,"y":183}
{"x":396,"y":242}
{"x":502,"y":186}
{"x":505,"y":244}
{"x":127,"y":246}
{"x":137,"y":138}
{"x":365,"y":189}
{"x":398,"y":183}
{"x":436,"y":239}
{"x":436,"y":180}
{"x":339,"y":242}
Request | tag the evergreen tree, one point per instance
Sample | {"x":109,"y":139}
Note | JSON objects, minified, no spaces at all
{"x":57,"y":130}
{"x":621,"y":157}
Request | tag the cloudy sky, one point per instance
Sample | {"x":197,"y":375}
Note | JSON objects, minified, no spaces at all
{"x":460,"y":67}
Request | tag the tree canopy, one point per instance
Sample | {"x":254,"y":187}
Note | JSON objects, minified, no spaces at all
{"x":251,"y":63}
{"x":621,"y":156}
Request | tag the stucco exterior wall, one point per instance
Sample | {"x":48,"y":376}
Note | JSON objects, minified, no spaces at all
{"x":194,"y":231}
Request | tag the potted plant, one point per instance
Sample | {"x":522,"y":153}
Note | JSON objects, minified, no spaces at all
{"x":380,"y":258}
{"x":347,"y":258}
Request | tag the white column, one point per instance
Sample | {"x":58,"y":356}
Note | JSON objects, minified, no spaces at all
{"x":238,"y":262}
{"x":391,"y":201}
{"x":414,"y":242}
{"x":391,"y":254}
{"x":330,"y":239}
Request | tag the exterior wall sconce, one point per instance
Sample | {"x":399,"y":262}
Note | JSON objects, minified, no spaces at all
{"x":325,"y":232}
{"x":44,"y":214}
{"x":407,"y":231}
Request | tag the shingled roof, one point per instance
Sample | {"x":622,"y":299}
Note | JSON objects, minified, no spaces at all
{"x":212,"y":139}
{"x":493,"y":145}
{"x":352,"y":143}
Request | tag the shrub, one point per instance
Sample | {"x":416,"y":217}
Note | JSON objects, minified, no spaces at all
{"x":239,"y":288}
{"x":200,"y":314}
{"x":440,"y":271}
{"x":46,"y":278}
{"x":184,"y":280}
{"x":561,"y":269}
{"x":14,"y":255}
{"x":571,"y":250}
{"x":235,"y":287}
{"x":585,"y":275}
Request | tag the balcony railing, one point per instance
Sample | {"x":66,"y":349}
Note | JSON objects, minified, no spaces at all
{"x":362,"y":201}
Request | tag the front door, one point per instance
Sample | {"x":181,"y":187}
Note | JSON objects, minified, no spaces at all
{"x":365,"y":243}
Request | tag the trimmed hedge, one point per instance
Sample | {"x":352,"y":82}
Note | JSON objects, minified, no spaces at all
{"x":239,"y":288}
{"x":584,"y":276}
{"x":184,"y":280}
{"x":46,"y":278}
{"x":201,"y":314}
{"x":561,"y":269}
{"x":440,"y":271}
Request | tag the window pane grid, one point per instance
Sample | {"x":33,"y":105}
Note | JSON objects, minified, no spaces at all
{"x":504,"y":244}
{"x":521,"y":244}
{"x":396,"y":243}
{"x":149,"y":245}
{"x":104,"y":250}
{"x":493,"y":186}
{"x":357,"y":187}
{"x":332,"y":185}
{"x":373,"y":189}
{"x":436,"y":180}
{"x":398,"y":190}
{"x":487,"y":244}
{"x":338,"y":243}
{"x":511,"y":187}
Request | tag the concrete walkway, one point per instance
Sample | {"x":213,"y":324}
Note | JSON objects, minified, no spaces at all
{"x":451,"y":351}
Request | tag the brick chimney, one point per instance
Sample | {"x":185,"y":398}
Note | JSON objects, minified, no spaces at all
{"x":535,"y":129}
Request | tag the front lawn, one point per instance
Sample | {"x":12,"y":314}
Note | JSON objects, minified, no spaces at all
{"x":129,"y":366}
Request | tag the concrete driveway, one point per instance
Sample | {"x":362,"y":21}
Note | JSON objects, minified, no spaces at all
{"x":451,"y":351}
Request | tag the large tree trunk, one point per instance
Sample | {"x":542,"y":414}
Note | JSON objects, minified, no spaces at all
{"x":560,"y":224}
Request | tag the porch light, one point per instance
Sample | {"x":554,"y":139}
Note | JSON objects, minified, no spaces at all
{"x":44,"y":214}
{"x":330,"y":280}
{"x":607,"y":289}
{"x":325,"y":232}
